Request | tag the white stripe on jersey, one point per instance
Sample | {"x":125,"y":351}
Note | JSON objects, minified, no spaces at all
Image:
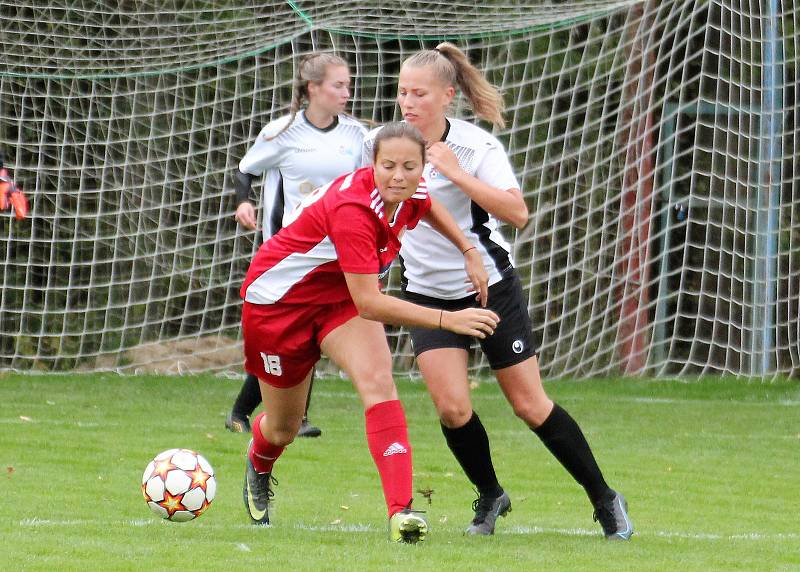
{"x":348,"y":180}
{"x":275,"y":282}
{"x":376,"y":202}
{"x":422,"y":190}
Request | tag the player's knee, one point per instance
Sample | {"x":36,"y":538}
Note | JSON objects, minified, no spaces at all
{"x":531,"y":412}
{"x":377,"y":383}
{"x":455,"y":415}
{"x":284,"y":438}
{"x":282,"y":435}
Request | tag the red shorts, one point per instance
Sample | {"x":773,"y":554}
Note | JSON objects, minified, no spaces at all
{"x":281,"y":341}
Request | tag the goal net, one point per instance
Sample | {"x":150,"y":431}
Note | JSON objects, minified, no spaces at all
{"x":656,"y":145}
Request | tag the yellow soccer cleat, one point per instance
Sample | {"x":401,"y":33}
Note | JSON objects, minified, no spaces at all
{"x":257,"y":492}
{"x":408,"y":526}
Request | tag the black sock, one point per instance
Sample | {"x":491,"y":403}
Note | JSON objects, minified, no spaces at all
{"x":562,"y":436}
{"x":249,"y":396}
{"x":470,"y":446}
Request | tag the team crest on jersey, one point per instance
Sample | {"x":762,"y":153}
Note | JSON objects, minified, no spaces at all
{"x":344,"y":150}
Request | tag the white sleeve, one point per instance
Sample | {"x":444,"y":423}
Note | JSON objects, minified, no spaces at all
{"x":366,"y":151}
{"x":358,"y":145}
{"x":261,"y":156}
{"x":495,"y":169}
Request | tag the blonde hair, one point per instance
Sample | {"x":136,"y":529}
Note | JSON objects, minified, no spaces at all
{"x":452,"y":67}
{"x":312,"y":69}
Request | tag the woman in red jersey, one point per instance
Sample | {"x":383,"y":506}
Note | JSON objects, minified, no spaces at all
{"x":314,"y":287}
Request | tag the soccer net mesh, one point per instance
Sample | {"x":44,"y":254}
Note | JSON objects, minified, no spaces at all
{"x":656,"y":143}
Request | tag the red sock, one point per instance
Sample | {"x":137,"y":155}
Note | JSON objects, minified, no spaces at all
{"x":262,"y":453}
{"x":387,"y":437}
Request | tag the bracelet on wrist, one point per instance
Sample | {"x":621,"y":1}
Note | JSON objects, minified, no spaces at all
{"x":467,"y":250}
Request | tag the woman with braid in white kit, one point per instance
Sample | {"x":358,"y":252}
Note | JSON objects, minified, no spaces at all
{"x":297,"y":153}
{"x":469,"y":172}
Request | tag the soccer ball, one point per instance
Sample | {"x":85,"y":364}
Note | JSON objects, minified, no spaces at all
{"x":179,"y":485}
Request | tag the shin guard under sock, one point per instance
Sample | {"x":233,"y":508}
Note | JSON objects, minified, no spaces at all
{"x":563,"y":437}
{"x":470,"y":446}
{"x":387,"y":437}
{"x":262,"y":453}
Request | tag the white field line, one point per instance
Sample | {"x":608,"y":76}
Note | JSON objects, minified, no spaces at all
{"x":369,"y":528}
{"x":757,"y":536}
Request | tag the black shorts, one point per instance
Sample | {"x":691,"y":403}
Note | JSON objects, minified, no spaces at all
{"x":512,"y":341}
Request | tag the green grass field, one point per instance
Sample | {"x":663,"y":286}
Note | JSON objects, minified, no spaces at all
{"x":710,"y":469}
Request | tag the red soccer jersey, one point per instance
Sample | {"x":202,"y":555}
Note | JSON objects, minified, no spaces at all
{"x":340,"y":227}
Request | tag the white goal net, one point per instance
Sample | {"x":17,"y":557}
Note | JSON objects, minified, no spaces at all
{"x":656,"y":142}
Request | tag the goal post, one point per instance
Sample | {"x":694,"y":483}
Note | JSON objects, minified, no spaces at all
{"x":655,"y":142}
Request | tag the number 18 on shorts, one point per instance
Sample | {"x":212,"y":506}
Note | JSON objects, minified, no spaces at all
{"x":282,"y":341}
{"x":272,"y":364}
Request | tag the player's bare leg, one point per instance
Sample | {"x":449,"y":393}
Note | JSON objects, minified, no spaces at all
{"x":445,"y":374}
{"x":359,"y":348}
{"x":273,"y":430}
{"x":283,"y":411}
{"x":238,"y":420}
{"x":560,"y":433}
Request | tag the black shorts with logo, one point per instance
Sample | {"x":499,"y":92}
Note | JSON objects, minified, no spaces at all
{"x":512,"y":341}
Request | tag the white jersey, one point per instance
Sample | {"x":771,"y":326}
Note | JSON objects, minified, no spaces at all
{"x":432,"y":265}
{"x":299,"y":160}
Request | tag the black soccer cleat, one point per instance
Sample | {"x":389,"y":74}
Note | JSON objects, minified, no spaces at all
{"x":237,"y":423}
{"x":487,"y":511}
{"x":308,"y":430}
{"x":258,"y":493}
{"x":613,"y":517}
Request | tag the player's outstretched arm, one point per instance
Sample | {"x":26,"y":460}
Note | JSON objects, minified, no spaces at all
{"x":372,"y":304}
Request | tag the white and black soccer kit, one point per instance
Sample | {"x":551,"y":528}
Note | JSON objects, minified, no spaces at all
{"x":300,"y":159}
{"x":433,"y":268}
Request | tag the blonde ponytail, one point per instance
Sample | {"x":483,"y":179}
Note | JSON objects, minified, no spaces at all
{"x":452,"y":67}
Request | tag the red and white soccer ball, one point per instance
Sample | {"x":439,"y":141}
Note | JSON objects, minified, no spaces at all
{"x":179,"y":485}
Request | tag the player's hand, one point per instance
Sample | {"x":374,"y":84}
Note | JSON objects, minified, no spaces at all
{"x":477,"y":275}
{"x":443,"y":159}
{"x":476,"y":322}
{"x":246,"y":215}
